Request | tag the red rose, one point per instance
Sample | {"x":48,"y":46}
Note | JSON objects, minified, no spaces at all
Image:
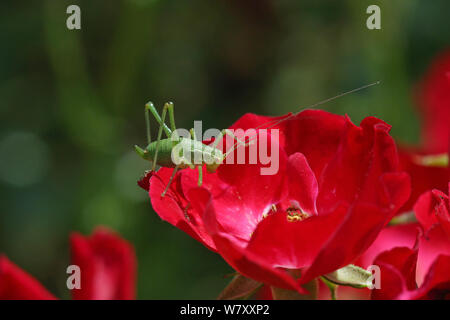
{"x":107,"y":264}
{"x":16,"y":284}
{"x":423,"y":177}
{"x":415,"y":264}
{"x":398,"y":280}
{"x":434,"y":102}
{"x":433,"y":213}
{"x":337,"y":186}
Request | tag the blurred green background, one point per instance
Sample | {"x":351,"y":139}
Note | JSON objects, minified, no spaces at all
{"x":71,"y":107}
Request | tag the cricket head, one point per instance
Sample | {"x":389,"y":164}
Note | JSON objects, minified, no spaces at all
{"x":144,"y":154}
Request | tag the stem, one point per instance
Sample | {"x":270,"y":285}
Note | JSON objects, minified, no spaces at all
{"x":330,"y":286}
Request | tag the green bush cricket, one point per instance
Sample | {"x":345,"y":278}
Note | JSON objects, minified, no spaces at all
{"x":160,"y":152}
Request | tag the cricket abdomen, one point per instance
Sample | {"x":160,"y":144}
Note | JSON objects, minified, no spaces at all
{"x":165,"y":147}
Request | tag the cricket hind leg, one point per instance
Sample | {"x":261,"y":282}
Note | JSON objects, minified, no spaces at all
{"x":168,"y":107}
{"x":158,"y":140}
{"x":149,"y":107}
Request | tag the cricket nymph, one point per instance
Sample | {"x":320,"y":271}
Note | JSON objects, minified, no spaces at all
{"x":180,"y":152}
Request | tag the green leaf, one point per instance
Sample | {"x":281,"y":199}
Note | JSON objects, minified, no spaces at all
{"x":407,"y":217}
{"x":352,"y":276}
{"x":435,"y":160}
{"x":239,"y":287}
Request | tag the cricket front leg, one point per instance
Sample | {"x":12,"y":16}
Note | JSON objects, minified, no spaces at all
{"x":231,"y":134}
{"x":174,"y":172}
{"x":199,"y":167}
{"x":200,"y":176}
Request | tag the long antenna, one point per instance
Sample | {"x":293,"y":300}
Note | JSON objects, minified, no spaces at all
{"x":308,"y":107}
{"x":320,"y":103}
